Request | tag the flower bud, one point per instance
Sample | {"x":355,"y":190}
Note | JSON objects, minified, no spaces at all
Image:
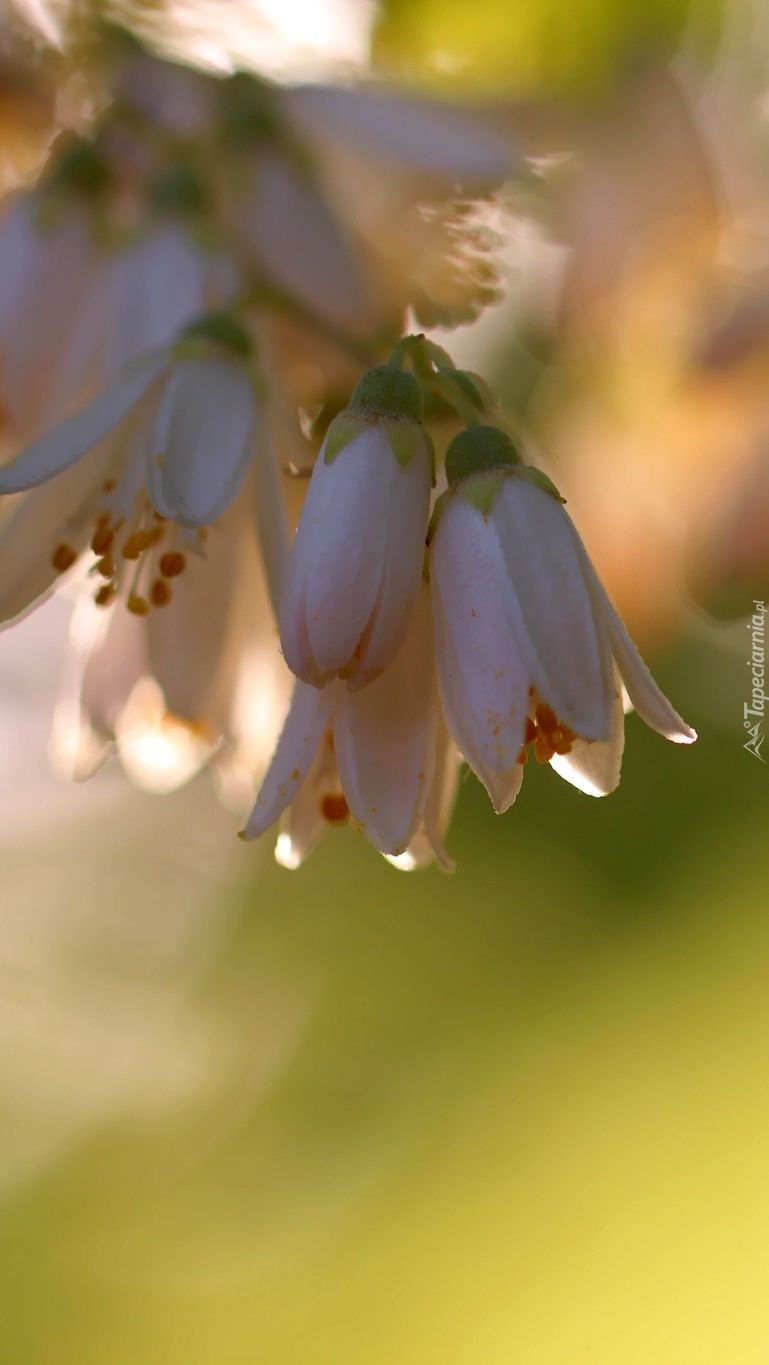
{"x":355,"y":567}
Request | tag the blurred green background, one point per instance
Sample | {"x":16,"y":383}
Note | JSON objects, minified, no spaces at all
{"x":348,"y":1115}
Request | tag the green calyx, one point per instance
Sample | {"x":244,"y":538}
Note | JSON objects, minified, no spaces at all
{"x":478,"y":462}
{"x":479,"y":450}
{"x":80,"y":169}
{"x":405,"y":437}
{"x":221,"y":330}
{"x":386,"y":392}
{"x":392,"y":400}
{"x":248,"y":116}
{"x":180,"y":189}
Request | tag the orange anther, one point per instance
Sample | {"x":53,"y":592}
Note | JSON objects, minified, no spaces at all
{"x":106,"y":566}
{"x":102,"y":538}
{"x":136,"y":544}
{"x":546,"y":717}
{"x":138,"y":605}
{"x":172,"y":563}
{"x":562,"y":739}
{"x":334,"y":808}
{"x":160,"y":593}
{"x":531,"y":731}
{"x":105,"y":594}
{"x":543,"y":749}
{"x":63,"y":558}
{"x":523,"y":756}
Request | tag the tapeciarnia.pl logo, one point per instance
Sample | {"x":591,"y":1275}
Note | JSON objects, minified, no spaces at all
{"x":753,"y":710}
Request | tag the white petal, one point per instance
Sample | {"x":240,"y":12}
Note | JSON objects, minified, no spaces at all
{"x":384,"y":737}
{"x":594,"y":766}
{"x":403,"y":508}
{"x":186,"y":638}
{"x":47,"y":275}
{"x":648,"y":699}
{"x":421,"y":135}
{"x":37,"y":522}
{"x":300,"y":246}
{"x":158,"y":752}
{"x":443,"y":796}
{"x":67,"y":443}
{"x":484,"y":682}
{"x":336,"y":561}
{"x":203,"y":440}
{"x":114,"y":664}
{"x":157,"y":287}
{"x":303,"y":825}
{"x":567,"y":653}
{"x":271,"y":519}
{"x":426,"y":847}
{"x":298,"y":744}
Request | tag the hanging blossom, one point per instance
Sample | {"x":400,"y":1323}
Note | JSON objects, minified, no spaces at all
{"x":515,"y":648}
{"x":201,"y":682}
{"x":379,"y":755}
{"x":352,"y":579}
{"x":140,"y":474}
{"x":363,"y":738}
{"x":532,"y":656}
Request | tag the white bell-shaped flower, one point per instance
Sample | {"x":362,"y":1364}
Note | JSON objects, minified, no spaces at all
{"x":355,"y":568}
{"x":530,"y":651}
{"x":376,"y":755}
{"x":139,"y":474}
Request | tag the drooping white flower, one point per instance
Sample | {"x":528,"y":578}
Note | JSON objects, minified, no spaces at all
{"x":355,"y":568}
{"x":138,"y":475}
{"x":529,"y":648}
{"x":376,"y":755}
{"x":201,"y":681}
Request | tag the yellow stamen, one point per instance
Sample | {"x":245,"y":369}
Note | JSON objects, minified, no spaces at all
{"x":138,"y":605}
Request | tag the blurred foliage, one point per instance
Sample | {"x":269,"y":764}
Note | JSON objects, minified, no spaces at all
{"x":534,"y":48}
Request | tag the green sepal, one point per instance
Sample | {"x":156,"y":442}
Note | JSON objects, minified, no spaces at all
{"x":540,"y":480}
{"x":179,"y":189}
{"x":79,"y":169}
{"x":477,"y":449}
{"x":248,"y":116}
{"x":482,"y":490}
{"x":405,"y":438}
{"x":346,"y":427}
{"x":385,"y":391}
{"x":221,"y":329}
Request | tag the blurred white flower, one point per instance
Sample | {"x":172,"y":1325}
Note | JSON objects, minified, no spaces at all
{"x":201,"y":680}
{"x":139,"y":474}
{"x":74,"y":315}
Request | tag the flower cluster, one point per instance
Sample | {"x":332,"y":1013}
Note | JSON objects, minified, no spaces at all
{"x":501,"y":643}
{"x":184,"y":295}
